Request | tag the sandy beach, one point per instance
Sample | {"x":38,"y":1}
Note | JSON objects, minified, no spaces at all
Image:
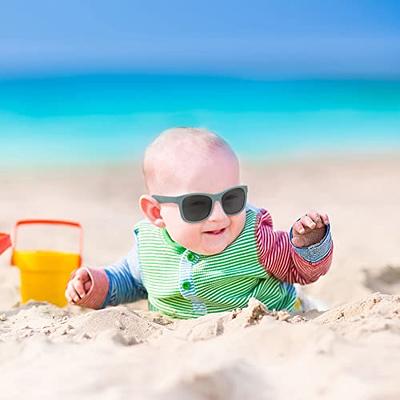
{"x":351,"y":351}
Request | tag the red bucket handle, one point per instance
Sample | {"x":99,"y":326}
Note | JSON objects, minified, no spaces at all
{"x":49,"y":222}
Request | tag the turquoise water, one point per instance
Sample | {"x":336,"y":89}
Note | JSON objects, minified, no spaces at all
{"x":107,"y":118}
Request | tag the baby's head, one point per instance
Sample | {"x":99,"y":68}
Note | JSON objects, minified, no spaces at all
{"x":189,"y":160}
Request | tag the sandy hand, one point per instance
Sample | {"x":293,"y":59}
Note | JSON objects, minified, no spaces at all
{"x":78,"y":286}
{"x":309,"y":229}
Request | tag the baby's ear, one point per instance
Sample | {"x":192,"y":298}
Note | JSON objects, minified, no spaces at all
{"x":151,"y":210}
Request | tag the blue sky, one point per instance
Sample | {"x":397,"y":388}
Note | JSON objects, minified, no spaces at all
{"x":269,"y":38}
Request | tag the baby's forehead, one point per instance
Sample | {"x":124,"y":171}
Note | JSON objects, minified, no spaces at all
{"x":188,"y":159}
{"x":195,"y":172}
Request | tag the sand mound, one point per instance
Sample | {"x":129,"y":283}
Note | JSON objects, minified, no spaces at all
{"x":73,"y":324}
{"x":377,"y":312}
{"x":374,"y":313}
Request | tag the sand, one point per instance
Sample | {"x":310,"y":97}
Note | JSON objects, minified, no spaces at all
{"x":350,"y":351}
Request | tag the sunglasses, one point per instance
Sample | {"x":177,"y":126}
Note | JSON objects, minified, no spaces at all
{"x":196,"y":207}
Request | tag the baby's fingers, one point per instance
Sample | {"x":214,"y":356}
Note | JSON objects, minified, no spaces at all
{"x":68,"y":296}
{"x":82,"y":282}
{"x":79,"y":287}
{"x":325,"y":219}
{"x":82,"y":274}
{"x":71,"y":294}
{"x":317,"y":218}
{"x":307,"y":222}
{"x":298,"y":228}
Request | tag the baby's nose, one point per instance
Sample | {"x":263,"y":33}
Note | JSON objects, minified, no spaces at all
{"x":217,"y":212}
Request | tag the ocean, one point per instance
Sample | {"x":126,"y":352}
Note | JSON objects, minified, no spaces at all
{"x":109,"y":118}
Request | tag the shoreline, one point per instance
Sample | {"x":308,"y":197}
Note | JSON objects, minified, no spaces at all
{"x":303,"y":158}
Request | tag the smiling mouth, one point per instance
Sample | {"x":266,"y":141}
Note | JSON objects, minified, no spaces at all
{"x":216,"y":232}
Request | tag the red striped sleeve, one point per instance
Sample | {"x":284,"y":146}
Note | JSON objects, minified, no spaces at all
{"x":278,"y":256}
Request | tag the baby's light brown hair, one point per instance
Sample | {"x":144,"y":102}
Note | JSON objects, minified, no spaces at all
{"x":175,"y":147}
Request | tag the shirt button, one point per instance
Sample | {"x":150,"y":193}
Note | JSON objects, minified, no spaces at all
{"x":191,"y":256}
{"x":186,"y":285}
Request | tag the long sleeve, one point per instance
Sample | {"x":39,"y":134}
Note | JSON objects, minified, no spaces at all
{"x":287,"y":262}
{"x":115,"y":284}
{"x":125,"y":281}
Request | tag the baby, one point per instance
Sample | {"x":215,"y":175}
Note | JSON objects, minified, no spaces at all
{"x":202,"y":248}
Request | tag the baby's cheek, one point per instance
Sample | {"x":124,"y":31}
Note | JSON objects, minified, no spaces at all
{"x":183,"y":233}
{"x":192,"y":238}
{"x":238,"y":222}
{"x":174,"y":224}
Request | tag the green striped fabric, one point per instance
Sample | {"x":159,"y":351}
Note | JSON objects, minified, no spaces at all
{"x":183,"y":284}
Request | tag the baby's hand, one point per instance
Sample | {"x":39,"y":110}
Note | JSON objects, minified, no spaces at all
{"x":309,"y":229}
{"x":78,"y":286}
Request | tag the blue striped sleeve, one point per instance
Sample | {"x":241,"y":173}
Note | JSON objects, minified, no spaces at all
{"x":125,"y":281}
{"x":317,"y":251}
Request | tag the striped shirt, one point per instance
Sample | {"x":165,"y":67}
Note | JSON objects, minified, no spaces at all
{"x":260,"y":263}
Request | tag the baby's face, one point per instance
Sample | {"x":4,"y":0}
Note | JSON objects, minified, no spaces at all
{"x":212,"y":174}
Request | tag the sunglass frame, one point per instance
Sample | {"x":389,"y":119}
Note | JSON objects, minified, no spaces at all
{"x":214,"y":197}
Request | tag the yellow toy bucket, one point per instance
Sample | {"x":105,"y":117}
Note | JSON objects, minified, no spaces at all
{"x":45,"y":273}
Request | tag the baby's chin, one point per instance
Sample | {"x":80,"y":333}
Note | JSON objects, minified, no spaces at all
{"x":211,"y":247}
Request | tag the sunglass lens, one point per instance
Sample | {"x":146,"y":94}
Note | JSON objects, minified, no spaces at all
{"x":196,"y":207}
{"x":234,"y":201}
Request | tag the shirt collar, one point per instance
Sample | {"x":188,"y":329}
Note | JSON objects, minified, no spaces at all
{"x":179,"y":248}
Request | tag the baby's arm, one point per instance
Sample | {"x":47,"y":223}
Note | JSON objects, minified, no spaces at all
{"x":289,"y":263}
{"x":97,"y":288}
{"x":125,"y":282}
